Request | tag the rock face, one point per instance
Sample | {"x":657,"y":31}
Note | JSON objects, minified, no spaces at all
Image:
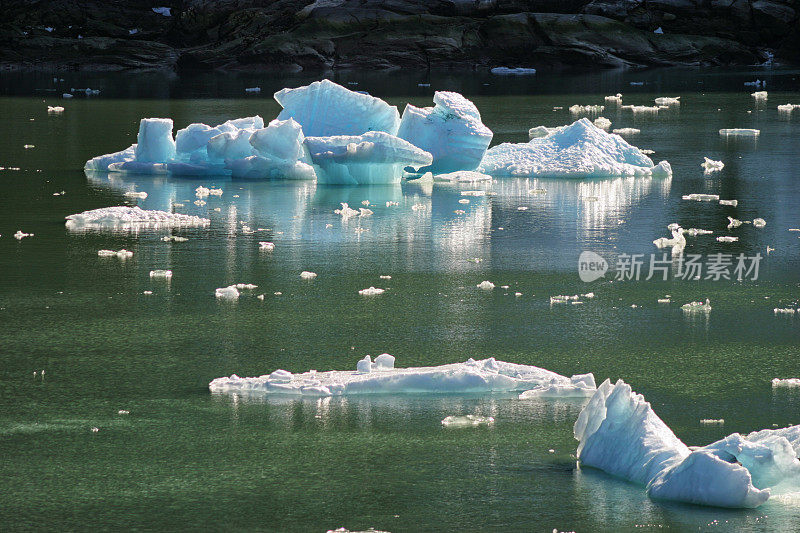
{"x":384,"y":34}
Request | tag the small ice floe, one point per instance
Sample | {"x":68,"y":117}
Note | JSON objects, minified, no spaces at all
{"x":664,"y":300}
{"x":173,"y":238}
{"x":642,"y":109}
{"x":709,"y":165}
{"x":161,"y":274}
{"x":602,"y":122}
{"x":757,"y":83}
{"x":537,"y":191}
{"x":246,"y":286}
{"x":423,"y":85}
{"x":789,"y":382}
{"x":724,"y":238}
{"x":694,"y":232}
{"x":739,"y":132}
{"x":463,"y":176}
{"x":647,"y":152}
{"x":562,"y":299}
{"x":227,"y":293}
{"x":346,"y":211}
{"x":418,"y":207}
{"x":19,"y":235}
{"x":54,"y":110}
{"x":66,"y":95}
{"x":133,"y":194}
{"x":123,"y":412}
{"x":165,"y":11}
{"x":95,"y":430}
{"x":586,"y":109}
{"x":119,"y":254}
{"x":677,"y":242}
{"x":788,"y":108}
{"x":382,"y":377}
{"x":485,"y":285}
{"x":759,"y":95}
{"x":636,"y":83}
{"x":697,"y":307}
{"x":540,"y":131}
{"x":734,"y":222}
{"x":203,"y":192}
{"x":473,"y":193}
{"x":732,"y":203}
{"x":759,"y":222}
{"x":252,"y":89}
{"x":305,"y":274}
{"x":658,"y":31}
{"x":697,"y":197}
{"x":712,"y":421}
{"x":627,"y":131}
{"x":29,"y":146}
{"x":147,"y":293}
{"x":617,"y":98}
{"x":133,"y":31}
{"x":371,"y":291}
{"x":522,"y":208}
{"x":518,"y":71}
{"x":264,"y":245}
{"x":386,"y":277}
{"x":131,"y":218}
{"x":467,"y":421}
{"x":389,"y":203}
{"x":463,"y":201}
{"x":784,"y":311}
{"x":517,"y":294}
{"x":668,"y":100}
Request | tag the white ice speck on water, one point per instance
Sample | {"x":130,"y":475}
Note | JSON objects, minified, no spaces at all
{"x":712,"y":421}
{"x":55,"y":110}
{"x":161,"y":274}
{"x":727,"y":239}
{"x":19,"y":235}
{"x":709,"y":165}
{"x":133,"y":194}
{"x":627,"y":131}
{"x":697,"y":307}
{"x":245,"y":286}
{"x":227,"y":293}
{"x":467,"y":421}
{"x":485,"y":285}
{"x":308,"y":275}
{"x":371,"y":291}
{"x":788,"y":382}
{"x":264,"y":245}
{"x":739,"y":132}
{"x":697,"y":197}
{"x":120,"y":254}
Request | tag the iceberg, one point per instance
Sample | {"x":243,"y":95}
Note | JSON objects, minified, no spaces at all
{"x":102,"y":162}
{"x":580,"y":150}
{"x":280,"y":152}
{"x":130,"y":218}
{"x":325,"y":108}
{"x":154,"y":143}
{"x":451,"y":131}
{"x":375,"y":157}
{"x":381,"y":377}
{"x":619,"y":433}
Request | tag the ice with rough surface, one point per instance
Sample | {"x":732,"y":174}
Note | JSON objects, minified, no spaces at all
{"x":371,"y":291}
{"x":788,"y":382}
{"x":451,"y":131}
{"x":125,"y":217}
{"x":381,"y":377}
{"x":462,"y":176}
{"x":154,"y":143}
{"x":373,"y":158}
{"x":580,"y":150}
{"x":227,"y":293}
{"x":739,"y":132}
{"x":544,"y":131}
{"x":280,"y":153}
{"x":325,"y":108}
{"x":467,"y":421}
{"x":709,"y":165}
{"x":697,"y":307}
{"x":668,"y":100}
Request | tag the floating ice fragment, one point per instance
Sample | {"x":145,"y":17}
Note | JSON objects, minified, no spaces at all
{"x":305,"y":274}
{"x":602,"y":122}
{"x":759,"y":222}
{"x":642,"y":109}
{"x":173,"y":238}
{"x":727,"y":239}
{"x":463,"y":201}
{"x":386,"y":277}
{"x":467,"y":421}
{"x":664,"y":300}
{"x":473,"y":193}
{"x":55,"y":110}
{"x":19,"y":235}
{"x":627,"y":131}
{"x":264,"y":245}
{"x":119,"y":254}
{"x":789,"y":382}
{"x":199,"y":203}
{"x":227,"y":293}
{"x":486,"y":285}
{"x":66,"y":95}
{"x":463,"y":176}
{"x":123,"y":412}
{"x":788,"y":108}
{"x":658,"y":31}
{"x":759,"y":95}
{"x":522,"y":208}
{"x":668,"y":100}
{"x":371,"y":291}
{"x":709,"y":165}
{"x":508,"y":71}
{"x":701,"y":197}
{"x":732,"y":203}
{"x":252,"y":89}
{"x":677,"y":242}
{"x":147,"y":293}
{"x":133,"y":194}
{"x":733,"y":223}
{"x":562,"y":299}
{"x":542,"y":131}
{"x":694,"y":232}
{"x":245,"y":286}
{"x":712,"y":421}
{"x":697,"y":307}
{"x":784,"y":311}
{"x":161,"y":274}
{"x":617,"y":98}
{"x":739,"y":132}
{"x":586,"y":109}
{"x":389,"y":203}
{"x":29,"y":146}
{"x":346,"y":211}
{"x":757,"y":83}
{"x":165,"y":11}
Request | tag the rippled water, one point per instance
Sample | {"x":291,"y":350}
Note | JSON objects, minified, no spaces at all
{"x":186,"y":459}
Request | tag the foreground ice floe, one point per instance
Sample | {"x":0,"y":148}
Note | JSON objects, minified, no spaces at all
{"x":451,"y":131}
{"x":619,"y":433}
{"x":580,"y":150}
{"x":380,"y":377}
{"x":125,"y":217}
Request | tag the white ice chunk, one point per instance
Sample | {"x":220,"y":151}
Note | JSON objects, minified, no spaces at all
{"x":601,"y":122}
{"x":759,"y":222}
{"x":709,"y":165}
{"x":627,"y":131}
{"x":119,"y":254}
{"x":305,"y":274}
{"x":668,"y":100}
{"x":580,"y":150}
{"x":154,"y":141}
{"x":727,"y":239}
{"x":697,"y":197}
{"x":733,"y":203}
{"x":463,"y":176}
{"x":325,"y":108}
{"x":739,"y":132}
{"x":227,"y":293}
{"x":788,"y":108}
{"x":697,"y":307}
{"x":784,"y":311}
{"x":55,"y":110}
{"x":590,"y":109}
{"x":788,"y":382}
{"x":373,"y":158}
{"x":617,"y":99}
{"x":384,"y":361}
{"x":677,"y":242}
{"x":451,"y":131}
{"x":486,"y":285}
{"x":371,"y":291}
{"x":543,"y":131}
{"x":759,"y":95}
{"x":102,"y":162}
{"x":131,"y":218}
{"x":466,"y":421}
{"x":264,"y":245}
{"x":19,"y":235}
{"x":165,"y":11}
{"x":161,"y":274}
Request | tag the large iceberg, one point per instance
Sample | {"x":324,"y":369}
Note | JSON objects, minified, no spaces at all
{"x":580,"y":150}
{"x":326,"y":108}
{"x":619,"y":432}
{"x":451,"y":131}
{"x":380,"y":377}
{"x":369,"y":159}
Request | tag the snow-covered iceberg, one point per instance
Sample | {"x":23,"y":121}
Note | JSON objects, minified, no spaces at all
{"x":130,"y":218}
{"x":380,"y":377}
{"x":451,"y":131}
{"x":326,"y":108}
{"x":580,"y":150}
{"x":619,"y":433}
{"x":373,"y":158}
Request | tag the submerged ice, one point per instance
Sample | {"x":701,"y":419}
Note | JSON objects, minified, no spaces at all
{"x":619,"y":433}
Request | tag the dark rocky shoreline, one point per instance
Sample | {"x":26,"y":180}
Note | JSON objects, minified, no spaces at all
{"x":388,"y":34}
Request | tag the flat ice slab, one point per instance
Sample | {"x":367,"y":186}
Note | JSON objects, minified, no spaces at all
{"x":619,"y":432}
{"x":487,"y":375}
{"x":125,"y":217}
{"x":580,"y":150}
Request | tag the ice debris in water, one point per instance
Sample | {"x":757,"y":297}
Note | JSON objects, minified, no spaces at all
{"x":371,"y":291}
{"x":486,"y":285}
{"x":204,"y":192}
{"x":739,"y":132}
{"x":668,"y":100}
{"x":161,"y":274}
{"x":19,"y":235}
{"x":788,"y":382}
{"x":677,"y":242}
{"x":227,"y":293}
{"x":727,"y":239}
{"x":712,"y":421}
{"x":627,"y":131}
{"x":119,"y":254}
{"x":642,"y":109}
{"x":264,"y":245}
{"x":759,"y":222}
{"x":173,"y":238}
{"x":701,"y":197}
{"x":734,"y":222}
{"x":451,"y":131}
{"x":325,"y":108}
{"x":542,"y":131}
{"x":246,"y":286}
{"x":252,"y":89}
{"x":55,"y":110}
{"x":732,"y":203}
{"x":467,"y":421}
{"x":381,"y":377}
{"x":508,"y":71}
{"x":463,"y":176}
{"x":619,"y":433}
{"x":694,"y":232}
{"x":709,"y":165}
{"x":784,"y":311}
{"x":617,"y":99}
{"x":305,"y":274}
{"x":132,"y":218}
{"x":788,"y":108}
{"x":586,"y":109}
{"x":133,"y":194}
{"x":580,"y":150}
{"x":697,"y":307}
{"x":759,"y":95}
{"x":602,"y":122}
{"x":374,"y":157}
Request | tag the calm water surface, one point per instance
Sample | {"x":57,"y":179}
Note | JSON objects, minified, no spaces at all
{"x":186,"y":459}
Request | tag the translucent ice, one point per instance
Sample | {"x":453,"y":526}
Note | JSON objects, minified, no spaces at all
{"x":280,"y":152}
{"x":19,"y":235}
{"x":759,"y":222}
{"x":451,"y":131}
{"x":372,"y":158}
{"x":467,"y":421}
{"x":132,"y":218}
{"x":227,"y":293}
{"x":102,"y":162}
{"x":472,"y":376}
{"x":668,"y":100}
{"x":325,"y":108}
{"x":580,"y":150}
{"x":677,"y":242}
{"x":733,"y":203}
{"x":759,"y":95}
{"x":507,"y":71}
{"x":739,"y":132}
{"x":154,"y":141}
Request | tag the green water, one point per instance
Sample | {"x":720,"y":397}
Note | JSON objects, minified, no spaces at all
{"x":184,"y":459}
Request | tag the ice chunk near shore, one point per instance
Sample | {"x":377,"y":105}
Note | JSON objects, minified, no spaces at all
{"x":373,"y":158}
{"x":325,"y":108}
{"x":451,"y":131}
{"x":467,"y":421}
{"x":381,"y":377}
{"x":619,"y":433}
{"x":739,"y":132}
{"x":133,"y":218}
{"x":119,"y":254}
{"x":709,"y":165}
{"x":580,"y":150}
{"x":518,"y":71}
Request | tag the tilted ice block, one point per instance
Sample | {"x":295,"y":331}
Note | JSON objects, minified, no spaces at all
{"x":451,"y":131}
{"x":372,"y":158}
{"x":282,"y":139}
{"x":620,"y":434}
{"x":580,"y":150}
{"x":102,"y":162}
{"x":380,"y":377}
{"x":325,"y":108}
{"x":230,"y":145}
{"x":154,"y":142}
